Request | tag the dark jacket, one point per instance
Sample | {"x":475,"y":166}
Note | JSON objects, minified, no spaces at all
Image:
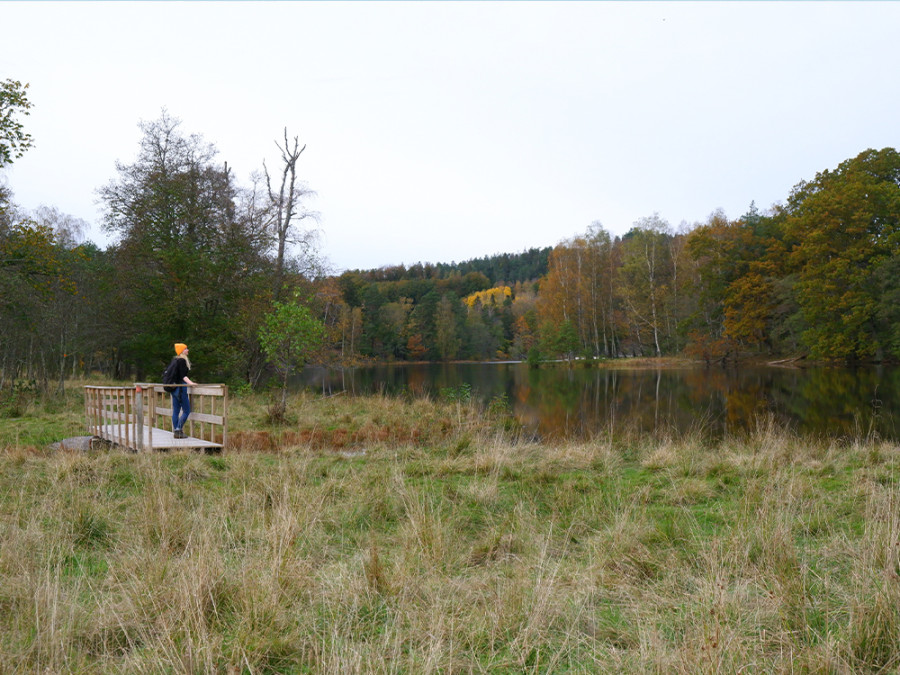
{"x":181,"y":370}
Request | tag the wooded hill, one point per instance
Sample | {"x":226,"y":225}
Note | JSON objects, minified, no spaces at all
{"x":421,"y":312}
{"x":529,"y":265}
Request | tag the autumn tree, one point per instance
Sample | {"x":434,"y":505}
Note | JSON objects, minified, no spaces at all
{"x":581,"y":286}
{"x":748,"y":309}
{"x":603,"y":261}
{"x":846,"y":227}
{"x":733,"y":294}
{"x":646,"y":278}
{"x":415,"y":347}
{"x":713,"y":248}
{"x":559,"y":297}
{"x":525,"y":334}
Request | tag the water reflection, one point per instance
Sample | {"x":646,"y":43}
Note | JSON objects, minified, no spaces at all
{"x":567,"y":402}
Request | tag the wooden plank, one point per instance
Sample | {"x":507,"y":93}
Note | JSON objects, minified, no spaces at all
{"x":157,"y":439}
{"x":203,"y":417}
{"x":207,"y":390}
{"x":195,"y":416}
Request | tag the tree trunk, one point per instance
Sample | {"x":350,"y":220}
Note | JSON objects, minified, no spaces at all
{"x":61,"y":385}
{"x":284,"y":382}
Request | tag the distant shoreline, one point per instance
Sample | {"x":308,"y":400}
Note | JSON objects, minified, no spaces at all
{"x":639,"y":362}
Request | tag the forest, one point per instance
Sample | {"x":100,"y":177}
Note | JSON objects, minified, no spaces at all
{"x":817,"y":277}
{"x":197,"y":257}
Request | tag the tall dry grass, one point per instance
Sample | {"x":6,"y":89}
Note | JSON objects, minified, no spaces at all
{"x":436,"y":542}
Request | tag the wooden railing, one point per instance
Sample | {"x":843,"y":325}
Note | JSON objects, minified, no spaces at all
{"x":112,"y":414}
{"x":209,"y":410}
{"x":127,"y":415}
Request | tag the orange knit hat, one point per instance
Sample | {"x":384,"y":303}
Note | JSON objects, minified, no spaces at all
{"x":179,"y":347}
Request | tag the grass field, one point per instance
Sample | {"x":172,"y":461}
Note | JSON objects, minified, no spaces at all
{"x":377,"y":535}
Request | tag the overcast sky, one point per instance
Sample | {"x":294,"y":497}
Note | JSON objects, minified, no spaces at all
{"x":441,"y":132}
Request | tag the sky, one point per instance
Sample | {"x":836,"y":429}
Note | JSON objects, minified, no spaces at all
{"x":447,"y":131}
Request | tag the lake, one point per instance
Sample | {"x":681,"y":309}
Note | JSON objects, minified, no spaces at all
{"x":558,"y":401}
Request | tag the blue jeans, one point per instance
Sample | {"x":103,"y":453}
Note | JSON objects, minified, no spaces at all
{"x":181,"y":407}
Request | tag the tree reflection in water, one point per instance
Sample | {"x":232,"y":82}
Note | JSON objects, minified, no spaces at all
{"x":560,"y":401}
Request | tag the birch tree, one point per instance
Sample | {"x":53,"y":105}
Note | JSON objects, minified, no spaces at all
{"x":646,"y":275}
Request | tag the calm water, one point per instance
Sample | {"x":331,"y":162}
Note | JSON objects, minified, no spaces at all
{"x":561,"y":401}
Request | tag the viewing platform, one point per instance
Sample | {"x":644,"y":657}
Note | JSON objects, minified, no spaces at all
{"x":140,"y":417}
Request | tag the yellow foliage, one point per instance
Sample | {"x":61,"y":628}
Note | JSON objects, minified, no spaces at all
{"x":498,"y":293}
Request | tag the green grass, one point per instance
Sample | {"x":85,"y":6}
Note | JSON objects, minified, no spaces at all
{"x":435,"y":541}
{"x":29,"y":421}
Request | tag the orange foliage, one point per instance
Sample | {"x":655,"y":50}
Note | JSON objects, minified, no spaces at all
{"x":415,"y":348}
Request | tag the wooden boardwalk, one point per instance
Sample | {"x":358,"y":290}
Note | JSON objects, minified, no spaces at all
{"x":153,"y":439}
{"x":140,"y":417}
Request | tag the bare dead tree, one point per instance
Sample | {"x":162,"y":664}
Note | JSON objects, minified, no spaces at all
{"x":288,"y":210}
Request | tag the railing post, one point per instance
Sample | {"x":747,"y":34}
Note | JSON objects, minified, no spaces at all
{"x":125,"y":426}
{"x":152,"y":425}
{"x":224,"y":416}
{"x":139,"y":418}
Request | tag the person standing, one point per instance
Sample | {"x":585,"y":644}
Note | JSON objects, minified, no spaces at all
{"x":181,"y":402}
